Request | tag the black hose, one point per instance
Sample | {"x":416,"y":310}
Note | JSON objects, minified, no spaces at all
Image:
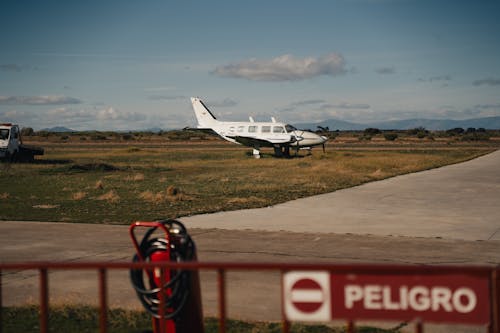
{"x":182,"y":248}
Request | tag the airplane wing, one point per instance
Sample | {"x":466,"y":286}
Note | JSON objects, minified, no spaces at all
{"x":256,"y":143}
{"x":204,"y":130}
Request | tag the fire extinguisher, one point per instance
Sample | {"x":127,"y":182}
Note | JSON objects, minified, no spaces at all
{"x":178,"y":290}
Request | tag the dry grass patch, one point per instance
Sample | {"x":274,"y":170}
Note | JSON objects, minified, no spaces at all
{"x":155,"y":198}
{"x":99,"y":185}
{"x":247,"y":200}
{"x":378,"y":174}
{"x":4,"y":195}
{"x":138,"y":177}
{"x":46,"y":206}
{"x":110,"y":196}
{"x":171,"y":193}
{"x":79,"y":195}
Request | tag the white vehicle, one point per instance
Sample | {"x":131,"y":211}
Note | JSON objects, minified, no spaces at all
{"x":253,"y":134}
{"x":12,"y":147}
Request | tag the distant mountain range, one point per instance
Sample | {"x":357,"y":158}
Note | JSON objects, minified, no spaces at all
{"x":335,"y":124}
{"x":62,"y":129}
{"x":429,"y":124}
{"x":58,"y":129}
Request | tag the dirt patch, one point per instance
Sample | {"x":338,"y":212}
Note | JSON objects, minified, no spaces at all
{"x":93,"y":167}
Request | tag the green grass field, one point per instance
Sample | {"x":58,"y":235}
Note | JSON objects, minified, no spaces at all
{"x":120,"y":183}
{"x":83,"y":319}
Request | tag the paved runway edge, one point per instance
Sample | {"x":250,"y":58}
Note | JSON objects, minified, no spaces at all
{"x":458,"y":201}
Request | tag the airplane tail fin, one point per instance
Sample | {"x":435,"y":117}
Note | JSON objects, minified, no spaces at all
{"x":205,"y":118}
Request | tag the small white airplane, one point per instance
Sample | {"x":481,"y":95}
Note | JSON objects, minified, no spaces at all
{"x":253,"y":134}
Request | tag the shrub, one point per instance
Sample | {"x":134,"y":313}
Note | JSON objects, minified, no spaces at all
{"x":365,"y":138}
{"x":475,"y":136}
{"x":455,"y":131}
{"x":27,"y":131}
{"x":390,"y":136}
{"x":371,"y":131}
{"x":98,"y":137}
{"x":421,"y":134}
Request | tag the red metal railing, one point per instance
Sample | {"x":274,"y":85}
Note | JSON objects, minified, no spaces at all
{"x":493,"y":274}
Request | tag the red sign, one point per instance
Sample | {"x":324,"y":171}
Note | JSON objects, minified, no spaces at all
{"x":439,"y":298}
{"x":452,"y":298}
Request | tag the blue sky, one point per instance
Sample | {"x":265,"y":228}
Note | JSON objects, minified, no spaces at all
{"x":116,"y":65}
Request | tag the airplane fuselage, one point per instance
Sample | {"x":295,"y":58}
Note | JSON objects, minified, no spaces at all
{"x":274,"y":134}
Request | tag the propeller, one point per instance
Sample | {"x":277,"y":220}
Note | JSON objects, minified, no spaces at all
{"x":297,"y":136}
{"x":324,"y":143}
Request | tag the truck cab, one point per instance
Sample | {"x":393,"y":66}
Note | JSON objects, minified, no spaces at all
{"x":11,"y":146}
{"x":9,"y":141}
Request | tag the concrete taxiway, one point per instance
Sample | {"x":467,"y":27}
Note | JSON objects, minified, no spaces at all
{"x":460,"y":201}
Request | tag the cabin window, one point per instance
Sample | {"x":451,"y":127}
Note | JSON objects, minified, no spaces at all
{"x":252,"y":129}
{"x":266,"y":129}
{"x":241,"y":128}
{"x":278,"y":129}
{"x":290,"y":128}
{"x":231,"y":129}
{"x":4,"y":134}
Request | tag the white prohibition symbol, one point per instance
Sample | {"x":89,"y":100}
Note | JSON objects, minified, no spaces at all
{"x":307,"y":296}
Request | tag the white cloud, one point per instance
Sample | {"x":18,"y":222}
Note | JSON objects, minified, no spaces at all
{"x":38,"y":100}
{"x":107,"y":118}
{"x":161,"y":89}
{"x":285,"y":68}
{"x":345,"y":105}
{"x":490,"y":81}
{"x":436,"y":78}
{"x":158,"y":97}
{"x":11,"y":68}
{"x":386,"y":70}
{"x":295,"y":105}
{"x":111,"y":113}
{"x":227,"y":102}
{"x":13,"y":115}
{"x":314,"y":110}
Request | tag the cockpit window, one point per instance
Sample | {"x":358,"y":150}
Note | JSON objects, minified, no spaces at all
{"x":290,"y":128}
{"x":278,"y":129}
{"x":4,"y":134}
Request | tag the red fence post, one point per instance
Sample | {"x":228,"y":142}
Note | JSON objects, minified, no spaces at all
{"x":285,"y":324}
{"x":1,"y":306}
{"x":495,"y":300}
{"x":221,"y":278}
{"x":44,"y":301}
{"x":419,"y":327}
{"x":350,"y":326}
{"x":103,"y":298}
